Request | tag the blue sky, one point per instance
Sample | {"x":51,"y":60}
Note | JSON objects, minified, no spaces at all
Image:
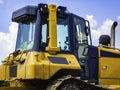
{"x":101,"y":9}
{"x":100,"y":13}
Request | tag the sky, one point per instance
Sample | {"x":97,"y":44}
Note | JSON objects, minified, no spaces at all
{"x":100,"y":13}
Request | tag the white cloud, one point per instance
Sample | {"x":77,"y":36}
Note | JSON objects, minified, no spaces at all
{"x":93,"y":22}
{"x":96,"y":32}
{"x":8,"y":40}
{"x":118,"y":17}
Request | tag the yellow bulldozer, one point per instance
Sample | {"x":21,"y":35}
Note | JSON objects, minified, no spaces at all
{"x":54,"y":51}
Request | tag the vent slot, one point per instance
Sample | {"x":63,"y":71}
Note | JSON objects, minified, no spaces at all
{"x":13,"y":71}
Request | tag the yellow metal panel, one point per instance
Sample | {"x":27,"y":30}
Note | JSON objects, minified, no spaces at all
{"x":108,"y":49}
{"x":109,"y":73}
{"x":114,"y":87}
{"x":72,"y":64}
{"x":42,"y":68}
{"x":21,"y":71}
{"x":38,"y":66}
{"x":109,"y":81}
{"x":2,"y":72}
{"x":21,"y":68}
{"x":38,"y":71}
{"x":109,"y":67}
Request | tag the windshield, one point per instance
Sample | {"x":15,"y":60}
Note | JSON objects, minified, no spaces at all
{"x":27,"y":34}
{"x":62,"y":34}
{"x":25,"y":39}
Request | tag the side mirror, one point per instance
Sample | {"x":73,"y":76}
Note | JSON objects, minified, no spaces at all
{"x":87,"y":30}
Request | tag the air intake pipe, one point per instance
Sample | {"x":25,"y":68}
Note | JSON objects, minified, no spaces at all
{"x":113,"y":34}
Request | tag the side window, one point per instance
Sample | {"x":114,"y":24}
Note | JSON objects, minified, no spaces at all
{"x":44,"y":40}
{"x":25,"y":39}
{"x":80,"y":36}
{"x":44,"y":33}
{"x":62,"y":34}
{"x":80,"y":31}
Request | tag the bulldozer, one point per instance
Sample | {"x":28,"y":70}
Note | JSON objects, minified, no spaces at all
{"x":54,"y":51}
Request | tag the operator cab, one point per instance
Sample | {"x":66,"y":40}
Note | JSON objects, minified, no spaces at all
{"x":73,"y":34}
{"x":33,"y":30}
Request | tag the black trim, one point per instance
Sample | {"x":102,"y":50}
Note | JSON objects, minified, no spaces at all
{"x":109,"y":54}
{"x":71,"y":33}
{"x":58,"y":60}
{"x":13,"y":71}
{"x":24,"y":14}
{"x":38,"y":33}
{"x":93,"y":63}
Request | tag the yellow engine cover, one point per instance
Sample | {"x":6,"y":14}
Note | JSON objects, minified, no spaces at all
{"x":109,"y":65}
{"x":38,"y":65}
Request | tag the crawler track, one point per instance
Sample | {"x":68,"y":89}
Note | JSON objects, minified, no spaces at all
{"x":63,"y":83}
{"x":74,"y":83}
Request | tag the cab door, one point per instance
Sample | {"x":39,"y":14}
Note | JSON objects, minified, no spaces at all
{"x":81,"y":43}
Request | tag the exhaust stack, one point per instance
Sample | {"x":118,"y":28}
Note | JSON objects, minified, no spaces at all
{"x":113,"y":34}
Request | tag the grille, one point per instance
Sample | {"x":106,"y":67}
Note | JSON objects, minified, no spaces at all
{"x":13,"y":70}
